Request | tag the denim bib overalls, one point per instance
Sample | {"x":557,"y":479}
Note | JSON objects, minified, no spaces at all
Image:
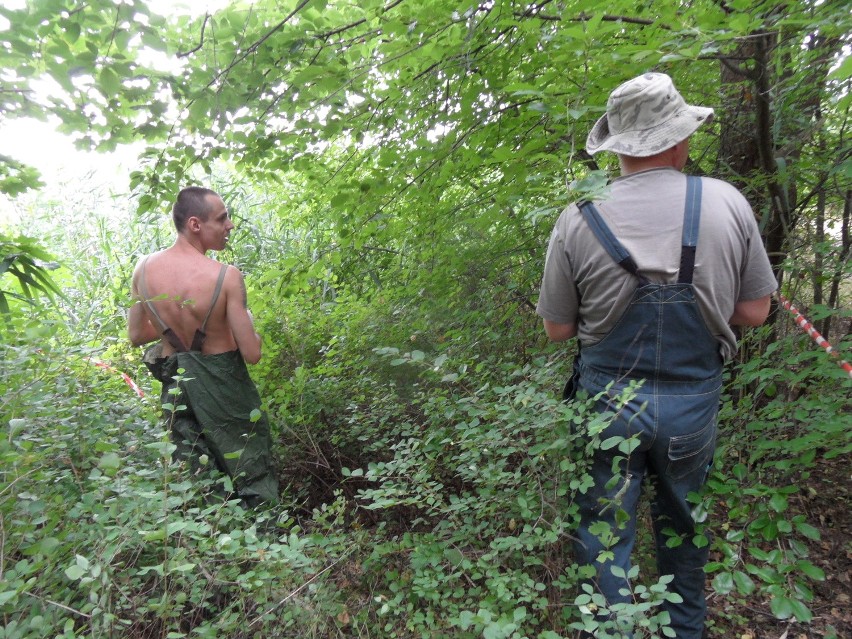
{"x":662,"y":340}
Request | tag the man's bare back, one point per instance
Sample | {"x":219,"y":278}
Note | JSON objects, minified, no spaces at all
{"x":180,"y":283}
{"x":213,"y":418}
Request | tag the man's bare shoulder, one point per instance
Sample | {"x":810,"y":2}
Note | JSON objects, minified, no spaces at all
{"x":235,"y":285}
{"x":141,"y":270}
{"x":181,"y":263}
{"x":180,"y":275}
{"x":143,"y":261}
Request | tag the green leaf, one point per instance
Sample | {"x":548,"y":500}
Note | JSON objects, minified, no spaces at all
{"x":109,"y":461}
{"x":781,"y":607}
{"x":78,"y":569}
{"x":109,"y":81}
{"x":801,"y":612}
{"x":745,"y":584}
{"x":766,"y":574}
{"x":466,"y":619}
{"x":154,"y":535}
{"x":843,"y":71}
{"x":74,"y":573}
{"x":807,"y":530}
{"x":723,"y":583}
{"x":611,"y":442}
{"x":187,"y":567}
{"x":778,"y":502}
{"x":812,"y":571}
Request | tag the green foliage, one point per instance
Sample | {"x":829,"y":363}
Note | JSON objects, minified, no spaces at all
{"x":782,"y":421}
{"x":394,"y":169}
{"x":27,"y":262}
{"x":429,"y":472}
{"x":16,"y":178}
{"x":468,"y":462}
{"x":83,"y":61}
{"x":90,"y":53}
{"x":624,"y":617}
{"x":102,"y":535}
{"x":483,"y":475}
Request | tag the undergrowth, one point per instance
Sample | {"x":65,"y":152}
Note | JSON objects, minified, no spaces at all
{"x":427,"y":469}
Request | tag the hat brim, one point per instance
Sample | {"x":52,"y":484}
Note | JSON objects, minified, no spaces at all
{"x":650,"y":141}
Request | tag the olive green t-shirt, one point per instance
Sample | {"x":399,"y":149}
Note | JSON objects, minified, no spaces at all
{"x":583,"y":285}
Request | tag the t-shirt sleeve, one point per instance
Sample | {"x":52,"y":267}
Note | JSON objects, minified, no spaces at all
{"x":558,"y":301}
{"x":756,"y":278}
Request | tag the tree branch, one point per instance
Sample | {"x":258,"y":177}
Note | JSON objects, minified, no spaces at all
{"x":256,"y":45}
{"x":184,"y":54}
{"x":738,"y":69}
{"x":352,"y":25}
{"x":583,"y":17}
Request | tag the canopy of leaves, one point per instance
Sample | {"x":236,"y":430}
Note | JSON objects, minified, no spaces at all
{"x":411,"y":126}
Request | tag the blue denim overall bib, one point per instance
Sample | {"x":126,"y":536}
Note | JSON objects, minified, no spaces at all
{"x":663,"y":340}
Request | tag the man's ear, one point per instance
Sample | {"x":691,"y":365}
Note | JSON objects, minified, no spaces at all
{"x":193,"y":224}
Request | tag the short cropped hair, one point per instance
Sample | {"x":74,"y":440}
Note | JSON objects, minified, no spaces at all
{"x":191,"y":202}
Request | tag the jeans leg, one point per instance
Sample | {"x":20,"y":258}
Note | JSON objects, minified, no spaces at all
{"x":686,"y":564}
{"x":681,"y":466}
{"x":600,"y":530}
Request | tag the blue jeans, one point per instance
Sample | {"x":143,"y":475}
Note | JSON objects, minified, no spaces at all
{"x":676,"y":433}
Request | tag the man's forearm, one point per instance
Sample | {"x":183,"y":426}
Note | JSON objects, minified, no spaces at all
{"x":559,"y":332}
{"x":750,"y":312}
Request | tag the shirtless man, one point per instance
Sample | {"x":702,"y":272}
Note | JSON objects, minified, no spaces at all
{"x":197,"y":308}
{"x":203,"y":224}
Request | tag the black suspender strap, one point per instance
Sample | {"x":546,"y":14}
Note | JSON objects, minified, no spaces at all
{"x":610,"y":243}
{"x":147,"y":302}
{"x":689,"y":236}
{"x":691,"y":218}
{"x":216,"y":292}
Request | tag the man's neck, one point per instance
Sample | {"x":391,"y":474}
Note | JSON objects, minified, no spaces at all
{"x":188,"y":245}
{"x":630,"y":165}
{"x":674,"y":157}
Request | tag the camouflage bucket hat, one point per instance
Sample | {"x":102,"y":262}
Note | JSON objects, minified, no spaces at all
{"x":644,"y":116}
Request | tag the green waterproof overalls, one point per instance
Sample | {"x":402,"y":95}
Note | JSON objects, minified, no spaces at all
{"x":221,"y":418}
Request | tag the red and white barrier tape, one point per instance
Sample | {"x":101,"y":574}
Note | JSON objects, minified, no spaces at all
{"x":806,"y":326}
{"x":124,"y":376}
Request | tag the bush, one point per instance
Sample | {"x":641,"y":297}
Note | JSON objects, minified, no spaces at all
{"x":103,"y":536}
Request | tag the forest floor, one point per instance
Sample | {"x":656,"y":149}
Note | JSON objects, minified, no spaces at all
{"x":824,"y":499}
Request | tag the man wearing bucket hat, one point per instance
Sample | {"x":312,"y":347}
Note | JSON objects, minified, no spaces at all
{"x":651,"y":279}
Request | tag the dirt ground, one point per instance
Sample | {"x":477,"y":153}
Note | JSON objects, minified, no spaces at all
{"x":829,"y":508}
